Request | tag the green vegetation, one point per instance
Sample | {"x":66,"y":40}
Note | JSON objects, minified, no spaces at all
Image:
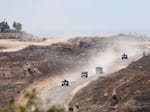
{"x":17,"y":26}
{"x":30,"y":106}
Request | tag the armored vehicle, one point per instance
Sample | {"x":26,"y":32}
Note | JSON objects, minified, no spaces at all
{"x":99,"y":70}
{"x":65,"y":83}
{"x":124,"y":56}
{"x":84,"y":74}
{"x":70,"y":109}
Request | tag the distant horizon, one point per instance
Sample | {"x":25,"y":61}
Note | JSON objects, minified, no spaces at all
{"x":70,"y":18}
{"x":96,"y":33}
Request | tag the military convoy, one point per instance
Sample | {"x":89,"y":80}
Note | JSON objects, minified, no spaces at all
{"x":99,"y":70}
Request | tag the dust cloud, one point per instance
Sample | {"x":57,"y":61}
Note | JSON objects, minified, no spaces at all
{"x":110,"y":58}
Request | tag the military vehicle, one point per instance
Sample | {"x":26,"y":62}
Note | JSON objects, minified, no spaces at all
{"x":84,"y":74}
{"x":70,"y":109}
{"x":64,"y":83}
{"x":99,"y":70}
{"x":124,"y":56}
{"x":77,"y":105}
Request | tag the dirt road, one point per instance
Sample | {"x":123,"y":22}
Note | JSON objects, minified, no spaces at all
{"x":10,"y":45}
{"x":59,"y":95}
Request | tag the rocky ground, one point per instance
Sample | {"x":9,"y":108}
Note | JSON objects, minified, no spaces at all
{"x":124,"y":91}
{"x":20,"y":69}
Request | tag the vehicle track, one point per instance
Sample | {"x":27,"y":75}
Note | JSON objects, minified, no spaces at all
{"x":59,"y":95}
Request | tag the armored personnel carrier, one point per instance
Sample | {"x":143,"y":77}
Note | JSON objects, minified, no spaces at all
{"x":84,"y":74}
{"x":65,"y":83}
{"x":99,"y":70}
{"x":124,"y":56}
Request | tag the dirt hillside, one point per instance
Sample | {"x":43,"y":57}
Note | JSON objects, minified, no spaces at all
{"x":124,"y":91}
{"x":22,"y":67}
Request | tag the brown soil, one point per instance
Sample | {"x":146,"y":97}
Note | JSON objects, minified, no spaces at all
{"x":124,"y":91}
{"x":20,"y":69}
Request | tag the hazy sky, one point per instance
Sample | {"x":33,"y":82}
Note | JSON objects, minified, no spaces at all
{"x":77,"y":17}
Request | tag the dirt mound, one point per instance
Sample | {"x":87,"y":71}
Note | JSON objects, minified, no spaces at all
{"x":124,"y":91}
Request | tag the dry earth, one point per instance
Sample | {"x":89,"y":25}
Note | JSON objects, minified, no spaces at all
{"x":124,"y":91}
{"x":11,"y":45}
{"x":29,"y":64}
